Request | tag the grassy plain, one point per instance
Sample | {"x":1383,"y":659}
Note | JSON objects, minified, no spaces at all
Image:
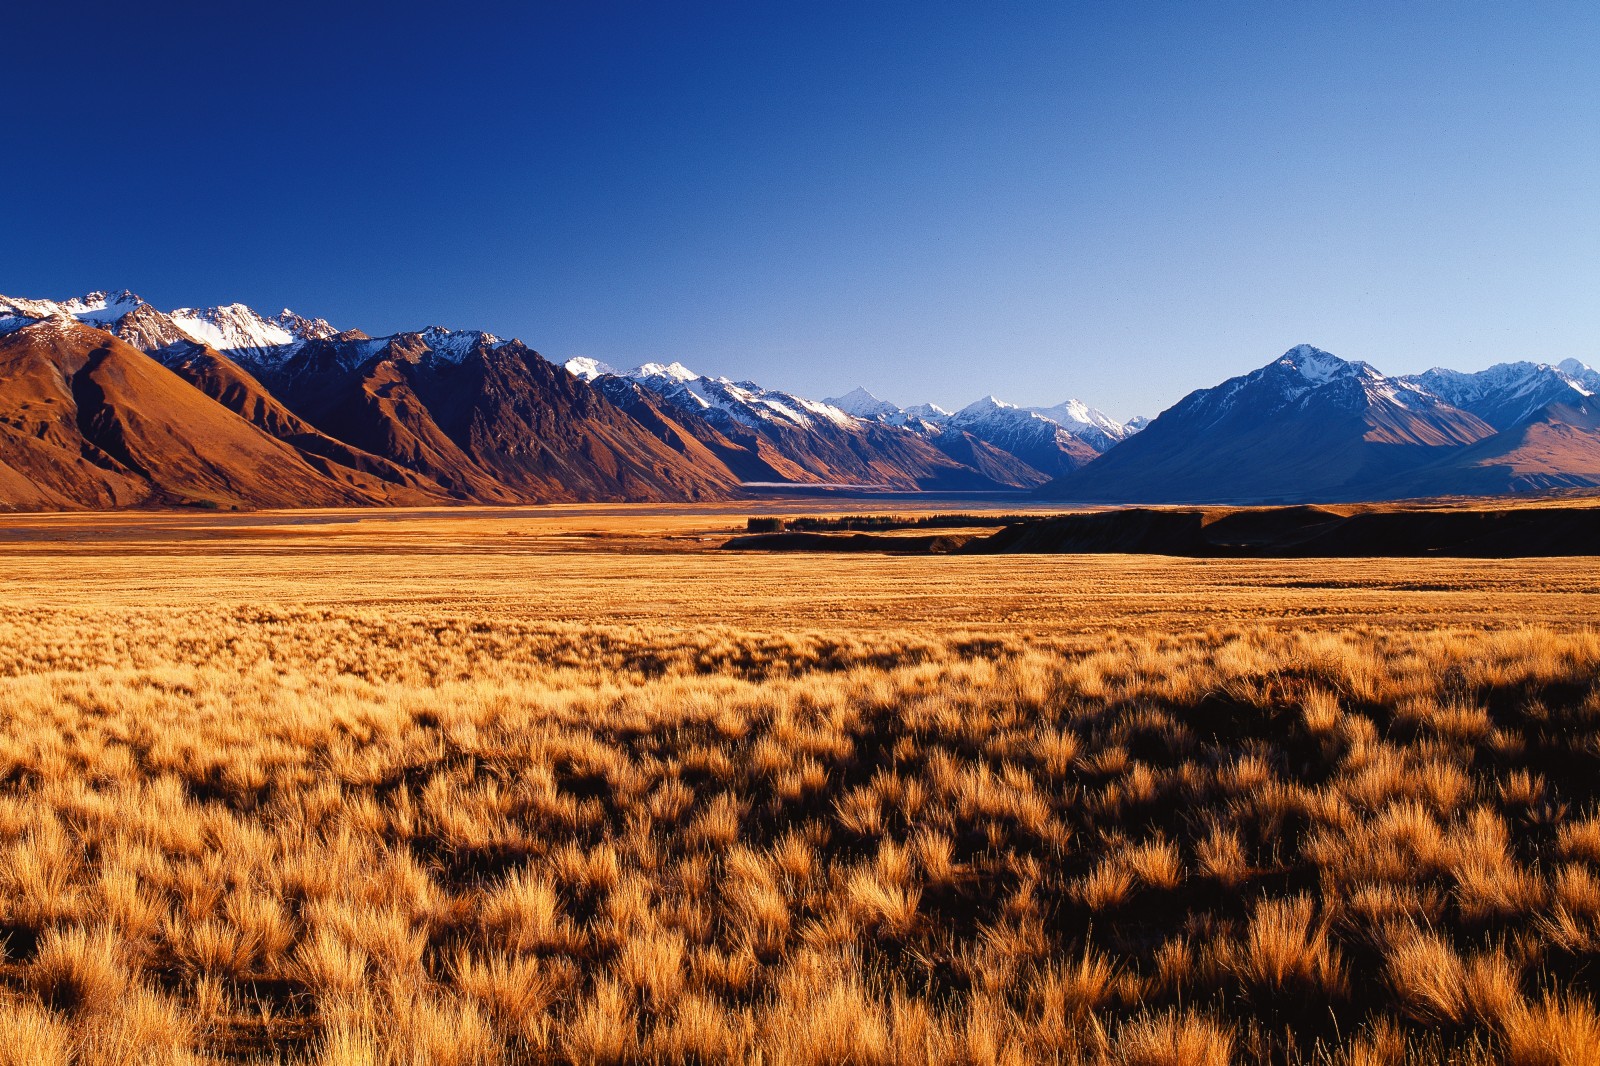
{"x":563,"y":784}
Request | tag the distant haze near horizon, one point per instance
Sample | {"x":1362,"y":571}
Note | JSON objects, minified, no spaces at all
{"x":931,"y":201}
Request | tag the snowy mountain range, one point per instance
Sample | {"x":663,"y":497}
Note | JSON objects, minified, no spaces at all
{"x":230,"y":328}
{"x":1047,"y":441}
{"x":1311,"y":426}
{"x":106,"y":400}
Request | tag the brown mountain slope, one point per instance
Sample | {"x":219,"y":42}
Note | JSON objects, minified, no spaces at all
{"x":92,"y":422}
{"x":234,"y":388}
{"x":364,"y":396}
{"x":493,"y":422}
{"x":1557,"y":448}
{"x":541,"y":431}
{"x":19,"y":492}
{"x":748,"y":459}
{"x":51,"y":463}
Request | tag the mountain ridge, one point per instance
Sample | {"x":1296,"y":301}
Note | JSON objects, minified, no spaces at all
{"x":440,"y":415}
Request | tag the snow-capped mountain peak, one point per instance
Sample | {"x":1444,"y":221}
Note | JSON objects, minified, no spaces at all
{"x":456,"y":342}
{"x":860,"y":403}
{"x":1506,"y":393}
{"x":1315,"y":365}
{"x":1302,"y":377}
{"x":1087,"y":423}
{"x":931,"y":413}
{"x":101,"y":306}
{"x":1582,"y":373}
{"x":743,"y":402}
{"x":586,"y":368}
{"x":96,"y":309}
{"x":1076,"y":410}
{"x":673,"y":371}
{"x":232,"y":328}
{"x":235,"y":329}
{"x":311,"y":329}
{"x":985,"y":406}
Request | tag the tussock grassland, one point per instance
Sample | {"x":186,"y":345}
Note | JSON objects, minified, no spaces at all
{"x":406,"y":792}
{"x":376,"y":835}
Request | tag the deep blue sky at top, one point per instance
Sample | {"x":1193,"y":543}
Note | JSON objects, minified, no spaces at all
{"x":1118,"y":201}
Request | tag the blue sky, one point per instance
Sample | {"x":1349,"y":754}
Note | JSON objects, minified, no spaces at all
{"x":1120,"y":202}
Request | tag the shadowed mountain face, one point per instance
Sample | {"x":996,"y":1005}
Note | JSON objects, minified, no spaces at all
{"x":488,"y":421}
{"x":1556,"y":447}
{"x":1506,"y":395}
{"x":224,"y":381}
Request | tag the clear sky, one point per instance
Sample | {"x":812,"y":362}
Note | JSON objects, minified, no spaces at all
{"x":1115,"y":201}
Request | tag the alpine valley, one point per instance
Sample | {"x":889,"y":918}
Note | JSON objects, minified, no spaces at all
{"x":108,"y":402}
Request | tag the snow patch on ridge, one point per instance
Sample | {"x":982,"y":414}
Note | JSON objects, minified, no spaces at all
{"x":744,"y":402}
{"x":455,"y":344}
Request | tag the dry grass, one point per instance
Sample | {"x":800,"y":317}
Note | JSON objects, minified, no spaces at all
{"x":379,"y":829}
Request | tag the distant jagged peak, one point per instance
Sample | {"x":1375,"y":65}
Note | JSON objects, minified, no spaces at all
{"x":1088,"y":423}
{"x":234,"y":328}
{"x":433,"y":342}
{"x":1072,"y":408}
{"x":1508,"y":394}
{"x":987,"y":405}
{"x":740,"y":401}
{"x":674,"y":371}
{"x":929,"y":412}
{"x":859,"y":394}
{"x":451,"y":337}
{"x":860,"y":403}
{"x":311,"y":329}
{"x":588,"y":369}
{"x":993,"y":409}
{"x":1515,"y":377}
{"x":95,"y":308}
{"x":102,"y":305}
{"x":1582,"y":373}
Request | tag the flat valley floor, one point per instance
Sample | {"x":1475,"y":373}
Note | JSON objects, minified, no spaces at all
{"x":572,"y":784}
{"x":662,"y":565}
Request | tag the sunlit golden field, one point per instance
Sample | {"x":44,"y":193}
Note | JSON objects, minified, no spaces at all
{"x":566,"y":784}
